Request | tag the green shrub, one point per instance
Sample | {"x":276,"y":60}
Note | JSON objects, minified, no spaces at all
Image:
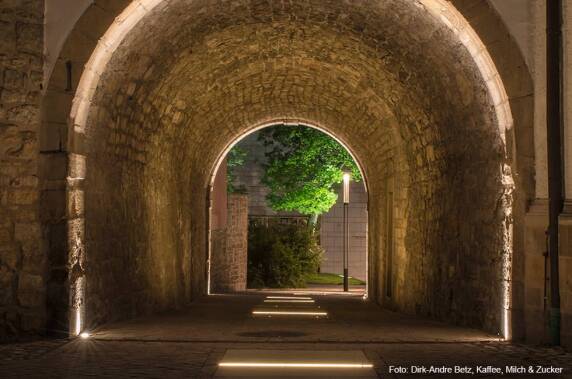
{"x":281,"y":256}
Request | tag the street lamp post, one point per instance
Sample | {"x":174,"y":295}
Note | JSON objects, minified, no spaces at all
{"x":346,"y":178}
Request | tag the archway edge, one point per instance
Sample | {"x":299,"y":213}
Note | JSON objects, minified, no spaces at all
{"x":287,"y":122}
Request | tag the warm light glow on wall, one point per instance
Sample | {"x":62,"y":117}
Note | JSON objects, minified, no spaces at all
{"x":440,"y":9}
{"x":450,"y":16}
{"x":78,"y":323}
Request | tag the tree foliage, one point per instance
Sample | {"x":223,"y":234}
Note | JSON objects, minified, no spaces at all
{"x":303,"y":166}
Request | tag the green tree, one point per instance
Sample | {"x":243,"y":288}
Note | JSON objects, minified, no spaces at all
{"x":281,"y":255}
{"x":303,"y":166}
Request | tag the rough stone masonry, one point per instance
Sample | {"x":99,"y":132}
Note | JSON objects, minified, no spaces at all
{"x":192,"y":77}
{"x":22,"y":256}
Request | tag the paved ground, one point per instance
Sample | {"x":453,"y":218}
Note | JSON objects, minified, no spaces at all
{"x":191,"y":343}
{"x":221,"y":318}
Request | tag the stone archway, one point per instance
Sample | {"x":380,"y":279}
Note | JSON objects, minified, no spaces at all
{"x":235,"y":277}
{"x":376,"y":89}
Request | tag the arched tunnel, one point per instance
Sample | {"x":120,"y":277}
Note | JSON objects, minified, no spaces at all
{"x":407,"y":86}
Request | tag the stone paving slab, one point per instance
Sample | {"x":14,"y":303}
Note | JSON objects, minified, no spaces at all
{"x":127,"y":359}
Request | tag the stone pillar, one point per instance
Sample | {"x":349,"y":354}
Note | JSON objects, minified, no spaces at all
{"x":22,"y":260}
{"x":565,"y":224}
{"x":536,"y":223}
{"x":229,"y":248}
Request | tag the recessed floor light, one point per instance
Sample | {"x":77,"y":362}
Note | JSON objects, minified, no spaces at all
{"x":289,"y":297}
{"x":288,"y":301}
{"x":291,"y":313}
{"x":85,"y":335}
{"x":295,"y":365}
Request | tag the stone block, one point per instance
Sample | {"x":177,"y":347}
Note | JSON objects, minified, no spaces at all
{"x":9,"y":96}
{"x":13,"y":79}
{"x":30,"y":37}
{"x":33,"y":259}
{"x":5,"y":235}
{"x":24,"y":181}
{"x":9,"y":256}
{"x":8,"y":33}
{"x":27,"y":232}
{"x":7,"y":286}
{"x":25,"y":115}
{"x":31,"y":290}
{"x":33,"y":321}
{"x":22,"y":196}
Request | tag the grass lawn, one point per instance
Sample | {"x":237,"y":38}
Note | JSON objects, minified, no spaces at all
{"x":327,"y":278}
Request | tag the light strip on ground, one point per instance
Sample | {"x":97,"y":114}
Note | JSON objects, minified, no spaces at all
{"x":294,"y":313}
{"x":296,"y":365}
{"x":288,"y":301}
{"x":289,"y":297}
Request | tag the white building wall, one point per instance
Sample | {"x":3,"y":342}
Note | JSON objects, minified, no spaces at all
{"x":332,"y":229}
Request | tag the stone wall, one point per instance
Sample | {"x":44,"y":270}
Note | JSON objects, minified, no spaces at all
{"x":229,"y":251}
{"x":352,"y":69}
{"x":22,"y":257}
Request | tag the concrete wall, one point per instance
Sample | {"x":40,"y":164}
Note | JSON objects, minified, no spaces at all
{"x":332,"y":229}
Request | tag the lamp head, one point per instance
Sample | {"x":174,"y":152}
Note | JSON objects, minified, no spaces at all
{"x":346,"y":179}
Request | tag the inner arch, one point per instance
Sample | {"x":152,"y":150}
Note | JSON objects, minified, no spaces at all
{"x":173,"y":83}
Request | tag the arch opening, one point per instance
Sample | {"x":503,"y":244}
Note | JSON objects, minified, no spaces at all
{"x":150,"y":117}
{"x":235,"y":277}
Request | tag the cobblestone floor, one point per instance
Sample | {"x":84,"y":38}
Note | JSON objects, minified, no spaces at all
{"x":137,"y":359}
{"x":152,"y":357}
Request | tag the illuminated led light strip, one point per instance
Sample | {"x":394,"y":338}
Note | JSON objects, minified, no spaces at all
{"x":288,"y":301}
{"x":289,"y":297}
{"x":289,"y":313}
{"x":296,"y":365}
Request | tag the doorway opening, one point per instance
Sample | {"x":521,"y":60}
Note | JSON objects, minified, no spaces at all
{"x":288,"y":210}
